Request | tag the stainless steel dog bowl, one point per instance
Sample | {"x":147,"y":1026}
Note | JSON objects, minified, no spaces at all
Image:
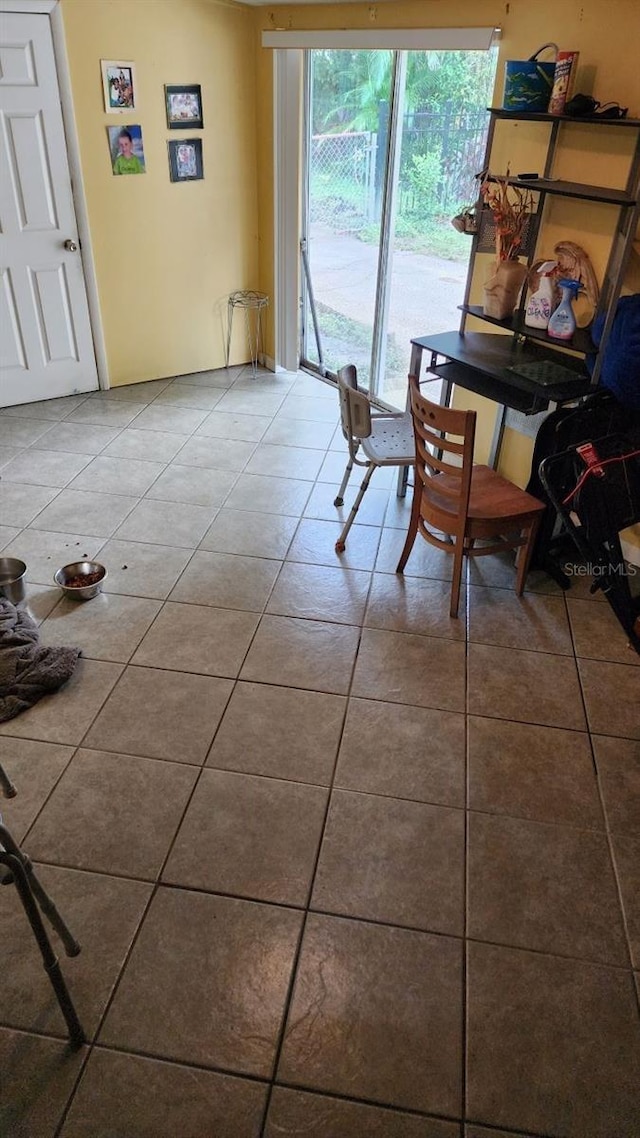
{"x":12,"y":573}
{"x":68,"y":578}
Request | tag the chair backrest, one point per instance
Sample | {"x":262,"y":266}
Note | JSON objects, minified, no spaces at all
{"x":355,"y":409}
{"x":444,"y":460}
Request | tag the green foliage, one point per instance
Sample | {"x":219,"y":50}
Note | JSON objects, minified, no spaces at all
{"x":423,"y":176}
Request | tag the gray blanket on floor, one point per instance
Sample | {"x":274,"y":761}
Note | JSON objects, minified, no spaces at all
{"x":28,"y":671}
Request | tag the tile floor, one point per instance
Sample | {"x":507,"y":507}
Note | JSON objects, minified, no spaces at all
{"x":341,"y":866}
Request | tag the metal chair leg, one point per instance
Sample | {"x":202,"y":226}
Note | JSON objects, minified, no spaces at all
{"x":49,"y":958}
{"x":8,"y":843}
{"x":8,"y":788}
{"x":340,"y":544}
{"x":339,"y":500}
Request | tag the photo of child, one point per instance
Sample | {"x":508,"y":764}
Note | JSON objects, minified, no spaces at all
{"x":186,"y":160}
{"x":127,"y":151}
{"x":118,"y":86}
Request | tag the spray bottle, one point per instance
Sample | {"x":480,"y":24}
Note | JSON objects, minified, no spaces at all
{"x":562,"y":324}
{"x":540,"y":303}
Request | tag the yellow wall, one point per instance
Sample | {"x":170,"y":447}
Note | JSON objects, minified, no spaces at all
{"x":168,"y":254}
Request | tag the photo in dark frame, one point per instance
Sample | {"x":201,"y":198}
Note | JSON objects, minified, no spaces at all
{"x":185,"y":160}
{"x":184,"y":107}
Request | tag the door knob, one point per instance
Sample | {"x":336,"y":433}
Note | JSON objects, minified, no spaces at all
{"x":71,"y":246}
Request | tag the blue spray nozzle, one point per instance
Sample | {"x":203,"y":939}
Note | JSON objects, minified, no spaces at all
{"x":567,"y":282}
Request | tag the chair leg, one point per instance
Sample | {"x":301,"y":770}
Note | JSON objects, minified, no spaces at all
{"x":8,"y":788}
{"x":339,"y":500}
{"x":49,"y":958}
{"x":458,"y":560}
{"x":413,"y":527}
{"x":341,"y":542}
{"x":8,"y":843}
{"x":525,"y":554}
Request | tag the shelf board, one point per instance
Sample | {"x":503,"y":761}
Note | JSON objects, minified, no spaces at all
{"x":576,"y":190}
{"x":579,"y":120}
{"x":580,"y":342}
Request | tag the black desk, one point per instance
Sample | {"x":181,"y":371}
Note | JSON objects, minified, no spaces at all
{"x":478,"y":362}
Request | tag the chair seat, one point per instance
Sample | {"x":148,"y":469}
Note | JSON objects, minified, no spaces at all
{"x":391,"y":442}
{"x":492,"y":497}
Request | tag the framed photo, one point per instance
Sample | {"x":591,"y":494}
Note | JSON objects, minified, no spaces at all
{"x":185,"y":160}
{"x":119,"y":86}
{"x":184,"y":107}
{"x":126,"y":149}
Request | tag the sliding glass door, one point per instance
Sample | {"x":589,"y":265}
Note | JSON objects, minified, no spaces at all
{"x":393,"y":141}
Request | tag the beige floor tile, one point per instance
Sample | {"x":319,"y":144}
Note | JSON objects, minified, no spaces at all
{"x":618,"y":762}
{"x":21,"y":432}
{"x":186,"y":395}
{"x":372,"y":508}
{"x":424,"y":560}
{"x":7,"y":534}
{"x":20,"y":504}
{"x":626,"y":850}
{"x":43,"y":552}
{"x":34,"y":769}
{"x":230,"y":425}
{"x":80,"y":511}
{"x":413,"y":605}
{"x":150,"y":446}
{"x":93,"y":818}
{"x":572,"y":1026}
{"x":307,"y":407}
{"x":161,"y":715}
{"x":251,"y":402}
{"x":319,"y":1116}
{"x":534,"y":621}
{"x":142,"y":570}
{"x":216,"y":454}
{"x":285,"y":461}
{"x":159,"y":523}
{"x":110,"y":627}
{"x":249,"y":836}
{"x":143,"y":392}
{"x":40,"y":601}
{"x":226,"y":1008}
{"x":542,"y":887}
{"x":196,"y":638}
{"x":106,"y":413}
{"x":44,"y":468}
{"x":319,"y":592}
{"x":377,"y":1014}
{"x":53,"y":409}
{"x":189,"y":484}
{"x":105,"y":475}
{"x":227,"y":580}
{"x":103,"y":914}
{"x":64,"y":716}
{"x":144,"y":1098}
{"x":598,"y":635}
{"x":541,"y":773}
{"x":295,"y":432}
{"x":424,"y":671}
{"x":263,"y":494}
{"x":221,"y":378}
{"x":39,"y":1076}
{"x":175,"y":420}
{"x":498,"y":571}
{"x":612,"y":697}
{"x":240,"y":531}
{"x":530,"y":687}
{"x":405,"y":752}
{"x":483,"y":1132}
{"x":78,"y":438}
{"x":302,"y":654}
{"x":7,"y":454}
{"x":281,"y":732}
{"x":314,"y":544}
{"x":386,"y":859}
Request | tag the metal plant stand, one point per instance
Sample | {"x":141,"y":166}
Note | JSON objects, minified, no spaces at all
{"x":253,"y":304}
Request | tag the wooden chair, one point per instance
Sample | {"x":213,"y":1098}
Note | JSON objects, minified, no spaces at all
{"x":456,"y":503}
{"x":385,"y":438}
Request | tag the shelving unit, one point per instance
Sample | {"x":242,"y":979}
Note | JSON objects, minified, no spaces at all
{"x":623,"y":237}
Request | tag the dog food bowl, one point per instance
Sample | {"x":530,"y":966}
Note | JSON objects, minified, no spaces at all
{"x":12,"y":573}
{"x":81,"y":580}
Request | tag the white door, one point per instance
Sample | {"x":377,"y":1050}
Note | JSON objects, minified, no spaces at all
{"x":46,"y":348}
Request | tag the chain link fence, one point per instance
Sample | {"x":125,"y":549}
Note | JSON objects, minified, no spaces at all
{"x":441,"y":153}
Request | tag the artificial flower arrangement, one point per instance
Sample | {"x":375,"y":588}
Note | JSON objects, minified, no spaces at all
{"x":511,"y":207}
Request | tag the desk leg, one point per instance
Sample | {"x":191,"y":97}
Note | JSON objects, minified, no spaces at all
{"x":498,"y":432}
{"x":414,"y":369}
